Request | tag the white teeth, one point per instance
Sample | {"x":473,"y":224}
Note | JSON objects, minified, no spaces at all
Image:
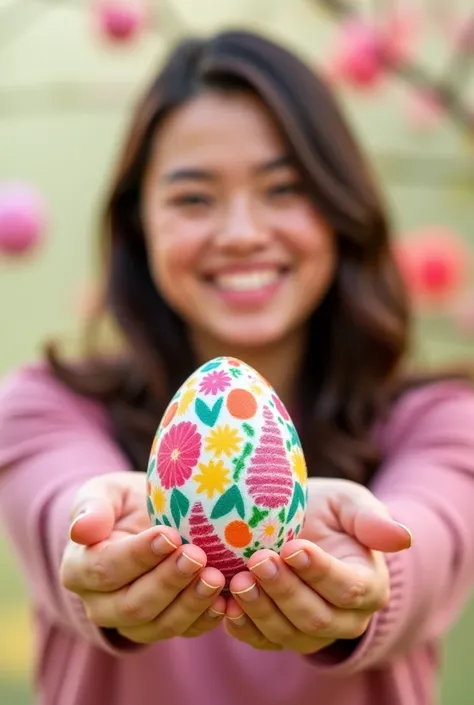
{"x":250,"y":281}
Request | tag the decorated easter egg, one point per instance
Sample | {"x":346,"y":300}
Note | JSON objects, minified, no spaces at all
{"x":226,"y":467}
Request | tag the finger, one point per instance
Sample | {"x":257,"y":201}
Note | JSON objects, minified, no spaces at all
{"x":380,"y":533}
{"x":182,"y":612}
{"x":310,"y":615}
{"x":348,"y":585}
{"x":111,"y":565}
{"x":192,"y":608}
{"x":96,"y":507}
{"x":262,"y":610}
{"x":213,"y":616}
{"x":148,"y":596}
{"x":238,"y":625}
{"x":93,"y":523}
{"x":363,"y":516}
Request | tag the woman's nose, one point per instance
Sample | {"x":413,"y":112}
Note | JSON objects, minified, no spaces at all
{"x":242,"y":226}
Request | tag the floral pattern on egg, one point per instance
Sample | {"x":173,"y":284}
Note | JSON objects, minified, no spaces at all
{"x":226,"y":466}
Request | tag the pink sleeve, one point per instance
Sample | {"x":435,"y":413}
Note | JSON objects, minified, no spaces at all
{"x":51,"y":442}
{"x":427,"y":482}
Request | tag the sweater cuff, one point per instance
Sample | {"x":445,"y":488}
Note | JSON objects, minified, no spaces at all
{"x":382,"y":634}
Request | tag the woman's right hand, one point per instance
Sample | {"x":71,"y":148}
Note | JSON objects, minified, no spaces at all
{"x":136,"y":579}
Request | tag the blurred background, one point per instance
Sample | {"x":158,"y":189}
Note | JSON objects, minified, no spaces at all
{"x":70,"y":71}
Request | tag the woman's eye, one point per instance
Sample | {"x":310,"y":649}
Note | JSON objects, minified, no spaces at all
{"x":286,"y":189}
{"x":191,"y":199}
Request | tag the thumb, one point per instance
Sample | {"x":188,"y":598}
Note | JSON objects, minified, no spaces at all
{"x":96,"y":509}
{"x":369,"y":521}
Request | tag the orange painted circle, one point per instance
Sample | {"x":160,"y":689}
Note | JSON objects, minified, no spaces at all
{"x":237,"y":534}
{"x":170,"y":414}
{"x":241,"y":404}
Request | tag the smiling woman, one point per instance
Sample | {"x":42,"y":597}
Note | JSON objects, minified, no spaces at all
{"x":234,"y":244}
{"x":242,"y":221}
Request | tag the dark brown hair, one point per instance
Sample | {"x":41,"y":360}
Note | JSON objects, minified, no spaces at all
{"x":358,"y":335}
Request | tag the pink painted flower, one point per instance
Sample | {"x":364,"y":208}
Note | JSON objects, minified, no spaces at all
{"x":215,"y":382}
{"x":178,"y":454}
{"x":280,"y":408}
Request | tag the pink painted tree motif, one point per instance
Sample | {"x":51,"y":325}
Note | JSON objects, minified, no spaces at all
{"x":203,"y":535}
{"x":269,"y":477}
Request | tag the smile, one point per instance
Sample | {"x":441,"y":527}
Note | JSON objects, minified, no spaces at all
{"x":247,"y":281}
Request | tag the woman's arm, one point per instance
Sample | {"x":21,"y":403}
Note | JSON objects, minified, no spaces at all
{"x":427,"y":482}
{"x":51,"y":442}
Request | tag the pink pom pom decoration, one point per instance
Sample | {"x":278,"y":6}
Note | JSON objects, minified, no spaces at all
{"x":363,"y":50}
{"x":120,"y":20}
{"x":22,"y":219}
{"x":434,"y":263}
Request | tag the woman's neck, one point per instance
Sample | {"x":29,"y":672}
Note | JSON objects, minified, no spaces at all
{"x":280,"y":363}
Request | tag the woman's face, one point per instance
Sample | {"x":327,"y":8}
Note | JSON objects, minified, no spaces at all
{"x":234,"y":244}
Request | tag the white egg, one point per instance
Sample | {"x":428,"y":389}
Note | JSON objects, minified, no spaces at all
{"x":226,"y":467}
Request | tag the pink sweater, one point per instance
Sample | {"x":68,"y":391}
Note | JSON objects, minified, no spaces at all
{"x":51,"y":442}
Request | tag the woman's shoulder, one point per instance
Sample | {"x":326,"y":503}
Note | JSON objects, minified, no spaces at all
{"x":429,"y":410}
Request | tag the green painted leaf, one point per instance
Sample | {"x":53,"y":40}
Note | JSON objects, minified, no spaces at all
{"x":249,"y":430}
{"x":281,"y":515}
{"x":297,"y":500}
{"x":208,"y":415}
{"x":288,"y":445}
{"x":184,"y":540}
{"x":157,"y":521}
{"x":295,"y":441}
{"x":282,"y":529}
{"x":182,"y":501}
{"x":235,"y":372}
{"x":250,"y":551}
{"x":258,"y":515}
{"x":211,"y":366}
{"x":150,"y":507}
{"x":151,"y":466}
{"x":239,"y":463}
{"x":166,"y":520}
{"x":280,"y":543}
{"x":232,"y":499}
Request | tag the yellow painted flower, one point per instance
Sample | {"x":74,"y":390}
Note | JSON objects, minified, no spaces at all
{"x":213,"y":477}
{"x":158,"y":498}
{"x":256,"y":389}
{"x":299,"y":465}
{"x":223,"y":440}
{"x":186,"y":399}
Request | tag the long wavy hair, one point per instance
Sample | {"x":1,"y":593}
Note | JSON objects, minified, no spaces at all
{"x":359,"y":333}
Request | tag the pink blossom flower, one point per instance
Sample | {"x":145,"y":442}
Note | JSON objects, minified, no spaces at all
{"x":178,"y":454}
{"x":215,"y":382}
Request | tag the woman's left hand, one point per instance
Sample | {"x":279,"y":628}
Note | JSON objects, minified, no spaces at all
{"x":325,"y":585}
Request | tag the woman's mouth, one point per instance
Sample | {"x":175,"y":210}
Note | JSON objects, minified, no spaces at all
{"x":248,"y":288}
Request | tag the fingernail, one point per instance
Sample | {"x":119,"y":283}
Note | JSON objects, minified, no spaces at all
{"x":187,"y":565}
{"x":78,"y":516}
{"x":204,"y":589}
{"x":238,"y":621}
{"x":161,"y":545}
{"x":266,"y":569}
{"x":249,"y":594}
{"x":410,"y":535}
{"x":298,"y":559}
{"x":214,"y":614}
